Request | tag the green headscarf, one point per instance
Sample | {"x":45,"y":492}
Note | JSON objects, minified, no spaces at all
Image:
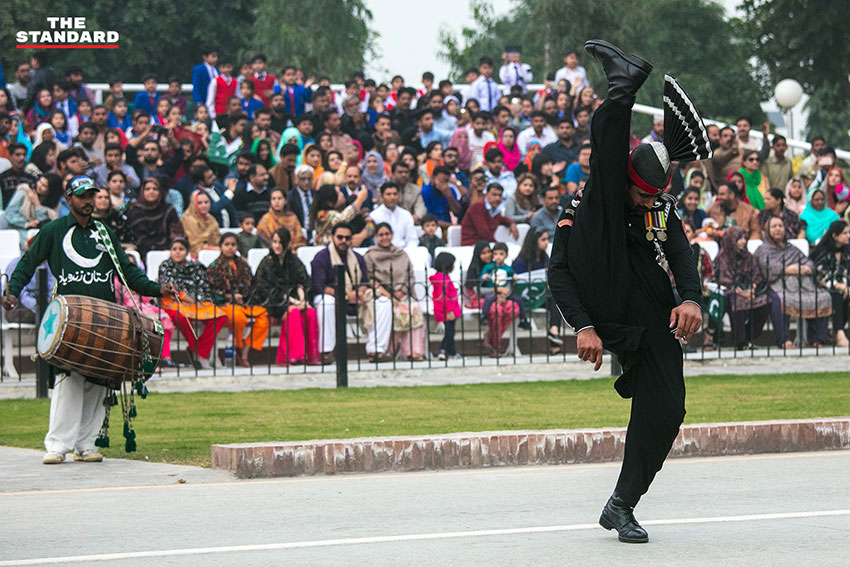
{"x":288,"y":134}
{"x":255,"y":149}
{"x":752,"y":182}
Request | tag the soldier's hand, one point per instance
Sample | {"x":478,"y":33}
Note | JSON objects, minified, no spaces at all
{"x":9,"y":302}
{"x":686,"y":319}
{"x":590,"y":347}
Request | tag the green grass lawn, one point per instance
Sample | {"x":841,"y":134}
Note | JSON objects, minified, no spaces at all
{"x":179,"y":428}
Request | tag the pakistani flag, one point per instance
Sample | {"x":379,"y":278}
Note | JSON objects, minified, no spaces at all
{"x":222,"y":152}
{"x":716,"y":306}
{"x":531,"y":287}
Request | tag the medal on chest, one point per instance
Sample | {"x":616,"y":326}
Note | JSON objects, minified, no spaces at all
{"x":656,"y":225}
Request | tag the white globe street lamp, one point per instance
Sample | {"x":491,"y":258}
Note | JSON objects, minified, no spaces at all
{"x":788,"y":93}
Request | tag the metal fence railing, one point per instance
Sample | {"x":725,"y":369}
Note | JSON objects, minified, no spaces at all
{"x":789,"y":314}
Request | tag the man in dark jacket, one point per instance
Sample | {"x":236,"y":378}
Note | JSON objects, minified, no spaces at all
{"x":609,"y":277}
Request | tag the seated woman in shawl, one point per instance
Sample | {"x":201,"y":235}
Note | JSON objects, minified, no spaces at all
{"x":262,"y":148}
{"x":507,"y":145}
{"x":194,"y":308}
{"x":817,"y":216}
{"x":793,"y":292}
{"x":280,"y":217}
{"x":836,"y":190}
{"x":832,"y":264}
{"x":774,"y":206}
{"x":372,"y":173}
{"x":312,"y":156}
{"x":391,"y":276}
{"x":42,"y":159}
{"x":689,"y":208}
{"x":154,"y":222}
{"x":473,"y":293}
{"x":106,"y":212}
{"x":200,"y":226}
{"x":282,"y":285}
{"x":290,"y":136}
{"x":460,"y":141}
{"x":795,"y":195}
{"x":30,"y":208}
{"x":329,"y":210}
{"x":745,"y":290}
{"x":230,"y":282}
{"x":42,"y":109}
{"x":332,"y":164}
{"x":755,"y":184}
{"x":522,"y":205}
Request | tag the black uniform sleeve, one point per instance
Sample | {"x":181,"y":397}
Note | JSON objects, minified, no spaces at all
{"x":562,"y":283}
{"x":680,"y":257}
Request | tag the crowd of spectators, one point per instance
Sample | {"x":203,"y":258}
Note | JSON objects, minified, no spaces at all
{"x":282,"y":161}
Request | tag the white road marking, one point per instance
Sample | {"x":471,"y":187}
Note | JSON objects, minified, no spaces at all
{"x":405,"y":537}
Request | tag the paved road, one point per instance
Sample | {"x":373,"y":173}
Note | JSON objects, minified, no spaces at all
{"x":761,"y":510}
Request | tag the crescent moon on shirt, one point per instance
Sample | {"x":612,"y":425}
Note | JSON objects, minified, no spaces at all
{"x":74,"y":256}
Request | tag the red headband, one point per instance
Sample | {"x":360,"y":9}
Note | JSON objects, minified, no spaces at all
{"x":633,"y":175}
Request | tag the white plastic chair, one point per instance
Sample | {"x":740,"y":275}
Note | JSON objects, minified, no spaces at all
{"x":153,"y":259}
{"x":207,"y":257}
{"x":255,"y":256}
{"x":138,"y":258}
{"x":306,"y":255}
{"x":453,"y":238}
{"x":10,"y":240}
{"x":711,"y":248}
{"x":802,"y":244}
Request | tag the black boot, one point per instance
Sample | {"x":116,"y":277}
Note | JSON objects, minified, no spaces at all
{"x":617,"y":515}
{"x":625,"y":74}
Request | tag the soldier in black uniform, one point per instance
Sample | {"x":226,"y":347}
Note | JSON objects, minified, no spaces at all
{"x":609,"y":276}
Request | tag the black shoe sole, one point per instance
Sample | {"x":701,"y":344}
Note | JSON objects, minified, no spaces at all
{"x":605,"y":523}
{"x":638,"y":62}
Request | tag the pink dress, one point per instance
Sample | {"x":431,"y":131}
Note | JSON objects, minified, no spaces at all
{"x":445,"y":296}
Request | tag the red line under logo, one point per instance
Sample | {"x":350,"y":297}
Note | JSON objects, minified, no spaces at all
{"x":68,"y":46}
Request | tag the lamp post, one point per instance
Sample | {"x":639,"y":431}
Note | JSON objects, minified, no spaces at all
{"x":788,"y":93}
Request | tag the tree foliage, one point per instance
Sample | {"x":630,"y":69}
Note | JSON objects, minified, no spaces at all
{"x":323,"y":37}
{"x":688,"y":39}
{"x":158,"y":36}
{"x":805,"y":40}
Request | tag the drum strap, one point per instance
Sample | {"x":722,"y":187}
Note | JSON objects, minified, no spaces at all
{"x":107,"y":241}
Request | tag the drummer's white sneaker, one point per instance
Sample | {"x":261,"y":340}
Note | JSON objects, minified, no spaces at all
{"x":88,"y":457}
{"x":53,"y":459}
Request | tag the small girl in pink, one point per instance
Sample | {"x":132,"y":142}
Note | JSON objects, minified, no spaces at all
{"x":446,"y":304}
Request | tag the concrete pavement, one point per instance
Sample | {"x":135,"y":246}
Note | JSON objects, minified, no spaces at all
{"x":756,"y":510}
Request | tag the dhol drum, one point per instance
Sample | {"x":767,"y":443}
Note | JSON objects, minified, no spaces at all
{"x":103,"y":341}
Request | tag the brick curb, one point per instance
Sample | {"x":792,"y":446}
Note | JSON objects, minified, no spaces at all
{"x":510,"y":448}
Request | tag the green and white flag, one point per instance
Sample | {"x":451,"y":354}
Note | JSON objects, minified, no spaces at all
{"x":222,"y":152}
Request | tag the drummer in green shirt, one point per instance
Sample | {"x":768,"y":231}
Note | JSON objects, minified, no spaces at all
{"x":80,"y":262}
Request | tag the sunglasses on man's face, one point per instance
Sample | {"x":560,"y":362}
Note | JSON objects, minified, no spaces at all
{"x":753,"y":159}
{"x":343,"y":237}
